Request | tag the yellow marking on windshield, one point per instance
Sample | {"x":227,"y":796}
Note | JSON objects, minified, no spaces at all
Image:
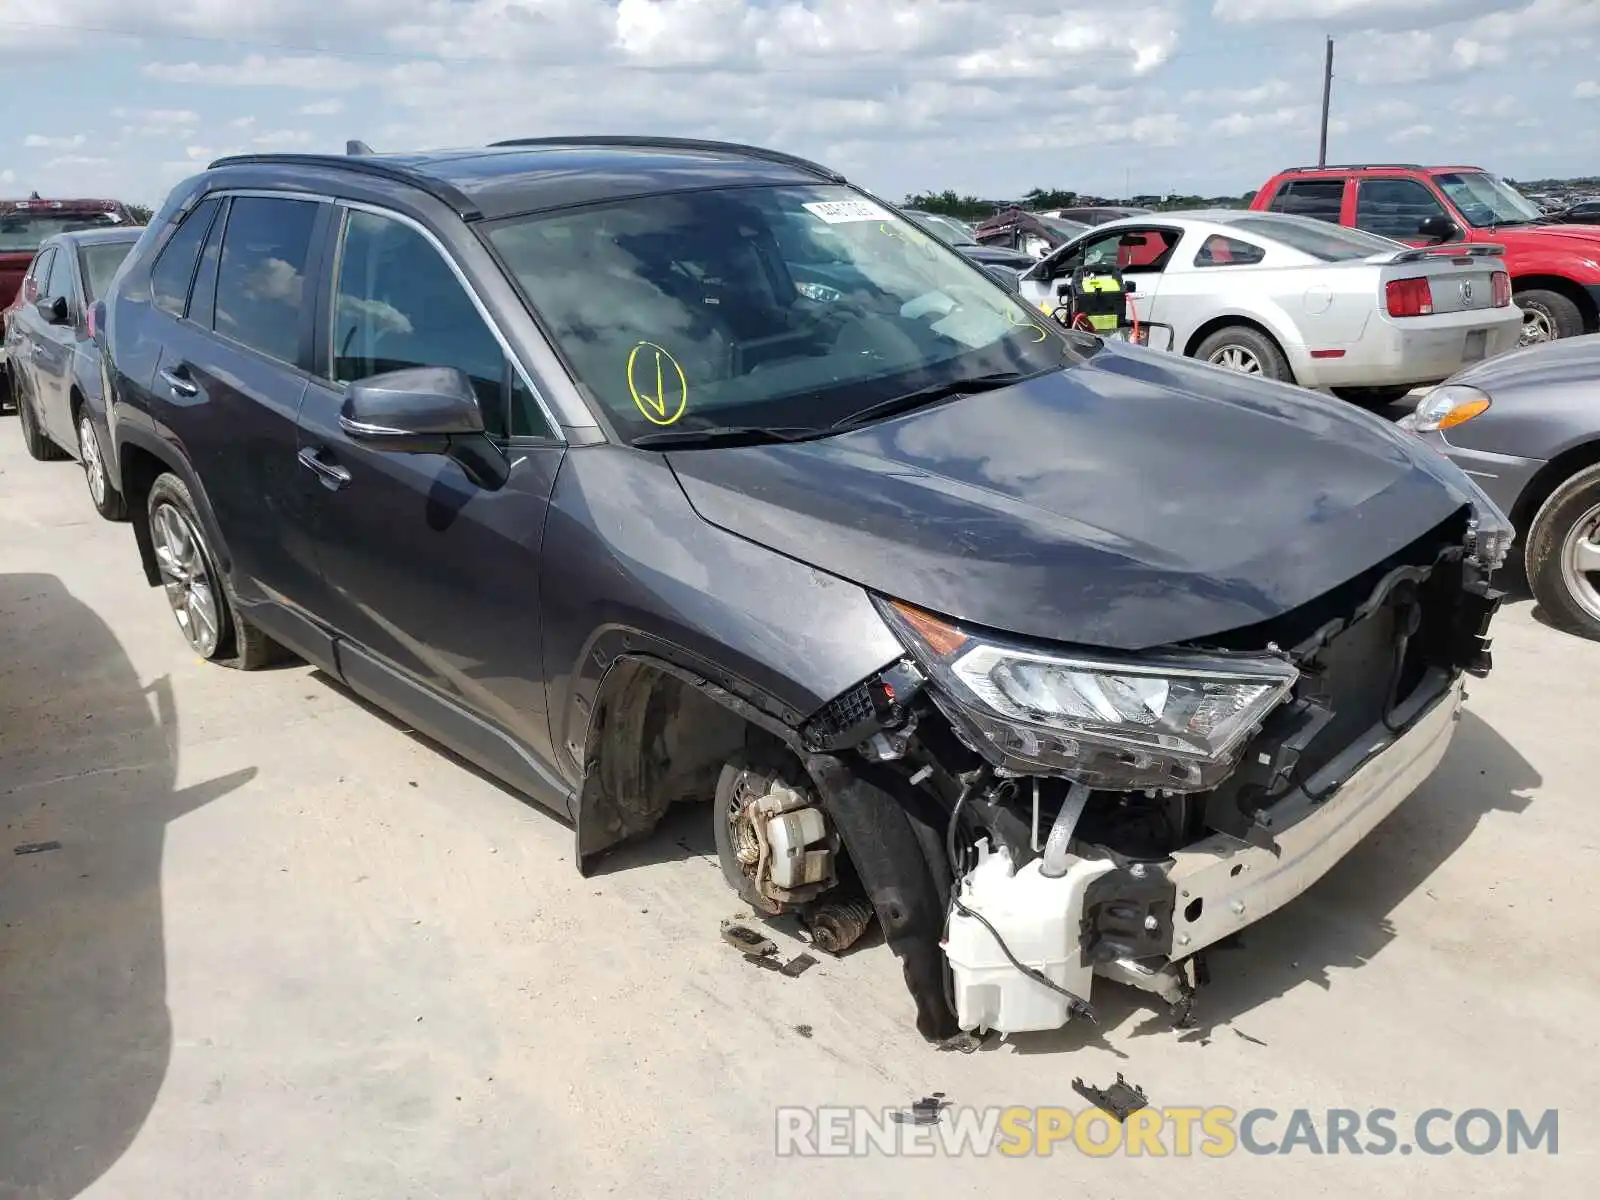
{"x":667,"y":402}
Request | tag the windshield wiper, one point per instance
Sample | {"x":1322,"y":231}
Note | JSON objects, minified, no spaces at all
{"x":726,"y":435}
{"x":929,"y":395}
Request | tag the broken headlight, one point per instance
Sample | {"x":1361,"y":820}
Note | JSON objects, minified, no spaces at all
{"x":1174,"y":721}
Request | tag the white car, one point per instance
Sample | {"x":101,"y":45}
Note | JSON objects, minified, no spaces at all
{"x":1297,"y":299}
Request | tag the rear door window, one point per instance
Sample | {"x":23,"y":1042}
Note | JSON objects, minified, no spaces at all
{"x":174,"y":266}
{"x":262,"y":296}
{"x":1394,"y":208}
{"x":1321,"y":199}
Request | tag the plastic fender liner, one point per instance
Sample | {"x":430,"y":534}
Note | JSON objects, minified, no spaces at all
{"x":893,"y":860}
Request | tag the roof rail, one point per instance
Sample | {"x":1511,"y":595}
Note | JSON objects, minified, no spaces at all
{"x":672,"y":143}
{"x":1354,"y":167}
{"x":380,"y":167}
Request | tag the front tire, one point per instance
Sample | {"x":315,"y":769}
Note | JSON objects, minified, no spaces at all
{"x":1547,"y":317}
{"x":1247,"y":351}
{"x":1563,"y":554}
{"x":107,"y":501}
{"x":201,"y":598}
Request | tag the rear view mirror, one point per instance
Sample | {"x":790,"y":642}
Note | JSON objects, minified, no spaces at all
{"x":424,"y":410}
{"x":1438,"y":228}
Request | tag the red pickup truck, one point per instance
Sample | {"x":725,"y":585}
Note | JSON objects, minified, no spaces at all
{"x":1555,"y":269}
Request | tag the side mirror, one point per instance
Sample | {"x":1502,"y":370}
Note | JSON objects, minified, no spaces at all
{"x":1004,"y":276}
{"x":424,"y":410}
{"x":53,"y":311}
{"x":1438,"y":228}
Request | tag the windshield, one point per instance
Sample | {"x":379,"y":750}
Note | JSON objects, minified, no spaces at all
{"x":1485,"y":199}
{"x":100,"y":263}
{"x":1319,"y":239}
{"x":772,"y":306}
{"x":24,"y":229}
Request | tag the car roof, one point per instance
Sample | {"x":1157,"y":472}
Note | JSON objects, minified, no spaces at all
{"x":535,"y":174}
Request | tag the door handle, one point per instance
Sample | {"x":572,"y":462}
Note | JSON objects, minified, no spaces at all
{"x":179,"y":385}
{"x":332,"y":475}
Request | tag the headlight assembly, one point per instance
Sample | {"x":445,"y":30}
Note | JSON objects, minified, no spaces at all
{"x":1447,"y":406}
{"x":1174,"y":721}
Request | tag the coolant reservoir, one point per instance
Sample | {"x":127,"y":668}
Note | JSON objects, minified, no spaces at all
{"x":1040,"y":920}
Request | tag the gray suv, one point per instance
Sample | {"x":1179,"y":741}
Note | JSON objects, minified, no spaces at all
{"x":642,"y":471}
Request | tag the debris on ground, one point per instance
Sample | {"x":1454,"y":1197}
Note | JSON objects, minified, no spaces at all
{"x":1119,"y":1100}
{"x":964,"y":1042}
{"x":747,"y":941}
{"x":797,"y":966}
{"x":35,"y":847}
{"x":804,"y":1031}
{"x":922,"y":1112}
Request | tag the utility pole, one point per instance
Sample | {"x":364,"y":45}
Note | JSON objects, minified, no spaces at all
{"x":1327,"y":90}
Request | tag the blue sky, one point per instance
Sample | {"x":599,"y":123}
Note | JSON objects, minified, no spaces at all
{"x":990,"y":96}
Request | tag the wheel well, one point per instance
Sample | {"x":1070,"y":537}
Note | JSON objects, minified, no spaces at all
{"x":1216,"y":323}
{"x":75,"y":404}
{"x":1564,"y":287}
{"x":654,"y":740}
{"x":1549,"y":477}
{"x":138,"y":469}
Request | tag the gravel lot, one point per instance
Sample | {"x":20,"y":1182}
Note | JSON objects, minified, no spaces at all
{"x":287,"y":949}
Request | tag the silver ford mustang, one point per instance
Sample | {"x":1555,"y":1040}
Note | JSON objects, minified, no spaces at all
{"x":1298,"y":300}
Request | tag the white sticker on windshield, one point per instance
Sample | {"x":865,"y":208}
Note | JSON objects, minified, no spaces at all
{"x":837,"y":212}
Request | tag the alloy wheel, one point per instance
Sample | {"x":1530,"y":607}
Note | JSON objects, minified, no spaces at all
{"x":1580,"y":562}
{"x":94,"y":470}
{"x":186,"y":578}
{"x":1236,"y":358}
{"x":1537,"y":328}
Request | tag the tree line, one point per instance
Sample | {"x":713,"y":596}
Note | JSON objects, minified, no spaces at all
{"x":976,"y":208}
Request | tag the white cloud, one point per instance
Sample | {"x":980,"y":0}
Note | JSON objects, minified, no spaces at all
{"x":282,"y":139}
{"x":1411,"y":133}
{"x":40,"y":141}
{"x":322,"y":108}
{"x":1589,"y":89}
{"x":8,"y":176}
{"x":76,"y":160}
{"x":1273,"y":91}
{"x":1243,"y":124}
{"x":313,"y":72}
{"x":241,"y":122}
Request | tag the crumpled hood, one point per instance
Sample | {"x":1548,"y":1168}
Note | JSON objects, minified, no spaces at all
{"x":1137,"y":500}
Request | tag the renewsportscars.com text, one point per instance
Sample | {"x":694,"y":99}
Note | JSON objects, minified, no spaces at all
{"x":1213,"y":1132}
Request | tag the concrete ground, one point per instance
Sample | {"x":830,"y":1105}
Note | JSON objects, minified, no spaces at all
{"x":286,"y":949}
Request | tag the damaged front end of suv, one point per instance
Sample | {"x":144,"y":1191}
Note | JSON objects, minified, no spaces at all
{"x":1026,"y":816}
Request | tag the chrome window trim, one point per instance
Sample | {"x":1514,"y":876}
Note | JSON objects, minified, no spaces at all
{"x":557,"y":433}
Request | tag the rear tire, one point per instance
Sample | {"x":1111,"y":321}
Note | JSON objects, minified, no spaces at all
{"x":201,"y":597}
{"x":107,"y":501}
{"x":1563,"y":554}
{"x":1247,"y":351}
{"x":34,"y":437}
{"x":1547,"y":317}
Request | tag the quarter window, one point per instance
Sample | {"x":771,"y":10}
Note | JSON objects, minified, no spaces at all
{"x":398,"y":304}
{"x":1394,"y":208}
{"x":60,"y":285}
{"x":174,"y":266}
{"x":38,"y":274}
{"x":261,"y":281}
{"x":1220,"y":251}
{"x":1319,"y":198}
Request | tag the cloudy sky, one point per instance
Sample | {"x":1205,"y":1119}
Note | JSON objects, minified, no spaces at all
{"x":125,"y":97}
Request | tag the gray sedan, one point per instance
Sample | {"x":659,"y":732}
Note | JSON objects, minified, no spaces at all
{"x":1526,"y":426}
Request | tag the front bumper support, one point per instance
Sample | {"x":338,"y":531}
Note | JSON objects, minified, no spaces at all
{"x":1224,"y":883}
